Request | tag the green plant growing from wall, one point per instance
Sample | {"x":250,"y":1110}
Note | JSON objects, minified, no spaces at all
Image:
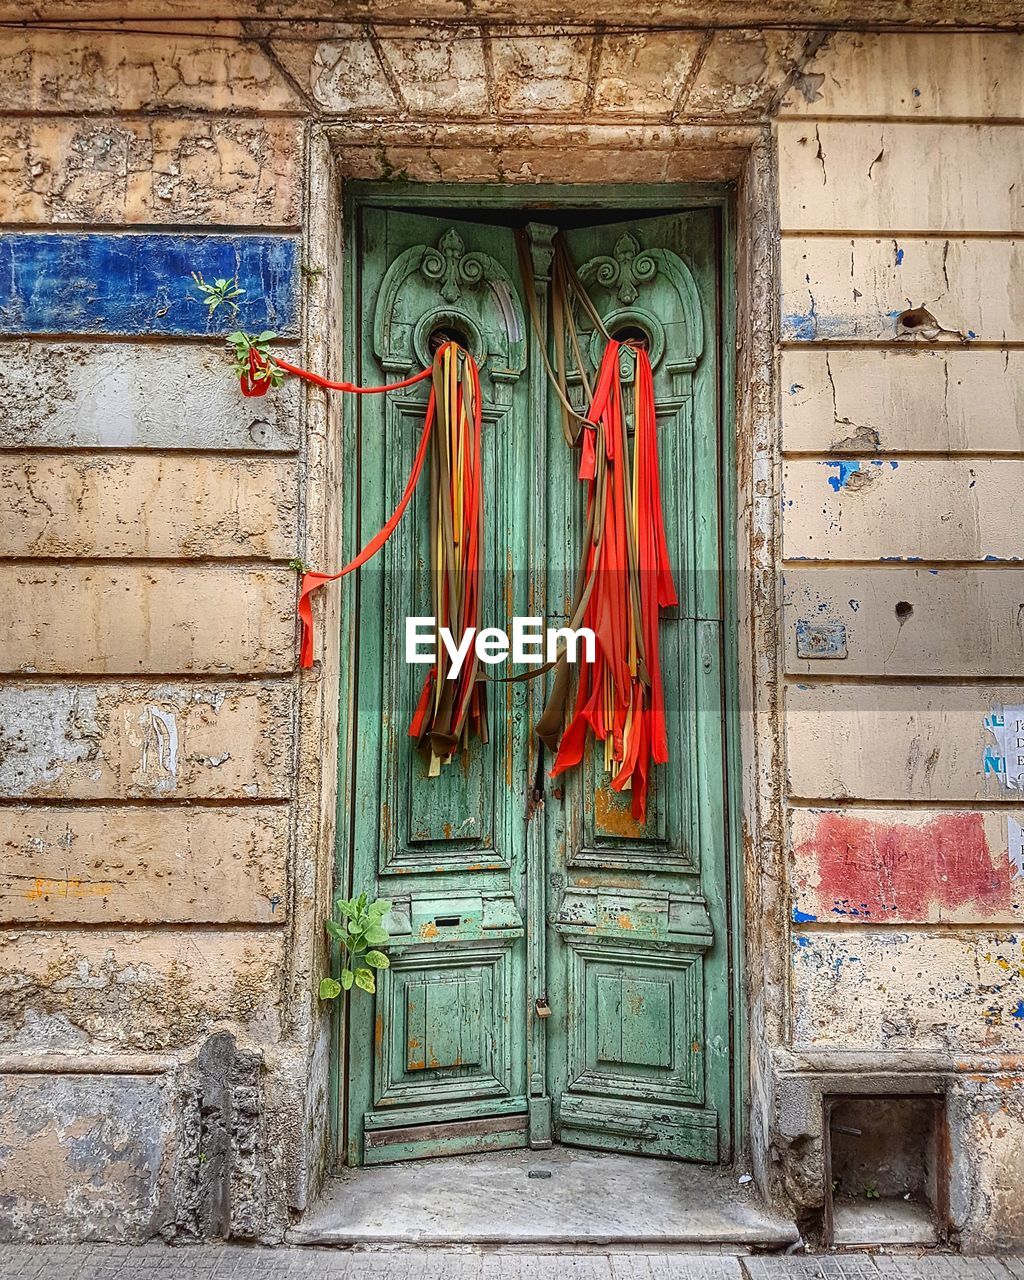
{"x":363,"y":928}
{"x":220,"y":293}
{"x":252,"y":359}
{"x":263,"y":368}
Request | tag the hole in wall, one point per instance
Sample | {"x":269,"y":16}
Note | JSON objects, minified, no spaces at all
{"x":634,"y":335}
{"x":447,"y":332}
{"x":888,"y":1170}
{"x":904,"y":610}
{"x":915,"y":318}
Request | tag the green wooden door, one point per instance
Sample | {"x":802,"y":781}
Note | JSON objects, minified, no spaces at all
{"x":519,"y":908}
{"x":437,"y":1060}
{"x":638,"y":1038}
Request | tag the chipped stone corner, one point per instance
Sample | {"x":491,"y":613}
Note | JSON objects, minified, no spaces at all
{"x":198,"y":1148}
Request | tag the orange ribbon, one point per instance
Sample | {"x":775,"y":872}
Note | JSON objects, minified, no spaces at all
{"x":620,"y":698}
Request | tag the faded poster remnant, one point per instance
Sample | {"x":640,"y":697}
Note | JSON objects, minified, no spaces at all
{"x":1006,"y":724}
{"x":1015,"y":847}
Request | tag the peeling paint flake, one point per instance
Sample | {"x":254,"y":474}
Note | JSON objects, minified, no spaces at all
{"x":844,"y":469}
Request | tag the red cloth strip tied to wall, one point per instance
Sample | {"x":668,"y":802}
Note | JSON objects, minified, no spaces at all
{"x":448,"y":711}
{"x":620,"y":698}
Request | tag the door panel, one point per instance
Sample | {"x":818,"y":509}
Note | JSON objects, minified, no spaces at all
{"x":639,"y":1034}
{"x":452,"y":819}
{"x":446,"y":1036}
{"x":448,"y":1023}
{"x":518,"y":910}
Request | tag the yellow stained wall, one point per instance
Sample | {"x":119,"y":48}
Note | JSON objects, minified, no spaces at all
{"x":164,"y":828}
{"x":901,"y":186}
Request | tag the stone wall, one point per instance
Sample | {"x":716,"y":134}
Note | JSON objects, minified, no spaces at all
{"x":901,"y":457}
{"x":148,"y":514}
{"x":165,"y":775}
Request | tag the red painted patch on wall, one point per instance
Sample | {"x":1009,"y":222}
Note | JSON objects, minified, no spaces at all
{"x":899,"y":871}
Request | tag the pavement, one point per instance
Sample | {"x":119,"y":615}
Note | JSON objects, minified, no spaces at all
{"x":232,"y":1262}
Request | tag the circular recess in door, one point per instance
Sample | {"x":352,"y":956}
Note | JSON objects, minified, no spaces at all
{"x":443,"y":333}
{"x":633,"y":336}
{"x":631,"y":323}
{"x":439,"y":327}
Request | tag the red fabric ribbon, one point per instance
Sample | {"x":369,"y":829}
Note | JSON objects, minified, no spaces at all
{"x":312,"y":581}
{"x":256,"y":382}
{"x":461,"y":708}
{"x":620,"y":697}
{"x":450,"y":710}
{"x":253,"y":384}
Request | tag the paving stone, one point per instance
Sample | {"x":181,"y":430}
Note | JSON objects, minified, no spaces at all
{"x":157,"y":1261}
{"x":674,"y":1266}
{"x":803,"y":1267}
{"x":939,"y":1267}
{"x":878,"y":1267}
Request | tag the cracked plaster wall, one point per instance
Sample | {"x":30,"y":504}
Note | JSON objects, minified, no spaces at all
{"x":168,"y":829}
{"x":901,"y":323}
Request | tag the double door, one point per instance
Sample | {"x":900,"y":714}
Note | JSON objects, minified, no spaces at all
{"x":565,"y":974}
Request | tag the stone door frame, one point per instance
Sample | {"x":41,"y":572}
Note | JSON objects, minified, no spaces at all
{"x":564,"y":154}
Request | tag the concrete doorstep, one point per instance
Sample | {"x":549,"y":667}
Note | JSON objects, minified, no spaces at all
{"x":539,"y":1199}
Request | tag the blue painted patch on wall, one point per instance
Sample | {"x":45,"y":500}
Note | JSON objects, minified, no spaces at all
{"x":844,"y":469}
{"x":140,"y":284}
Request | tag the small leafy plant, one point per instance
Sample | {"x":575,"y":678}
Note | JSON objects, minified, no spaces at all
{"x":364,"y":927}
{"x":219,"y":293}
{"x":252,"y":357}
{"x":252,"y":362}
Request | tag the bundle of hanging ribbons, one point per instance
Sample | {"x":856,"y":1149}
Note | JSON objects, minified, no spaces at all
{"x":624,"y":580}
{"x":624,"y":577}
{"x":448,"y":710}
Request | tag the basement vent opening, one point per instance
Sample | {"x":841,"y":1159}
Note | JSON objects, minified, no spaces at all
{"x":886,"y":1170}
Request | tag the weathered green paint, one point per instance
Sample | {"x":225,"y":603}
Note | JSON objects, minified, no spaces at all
{"x":447,"y":1028}
{"x":621,"y":932}
{"x":385,"y":1146}
{"x":638,"y":951}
